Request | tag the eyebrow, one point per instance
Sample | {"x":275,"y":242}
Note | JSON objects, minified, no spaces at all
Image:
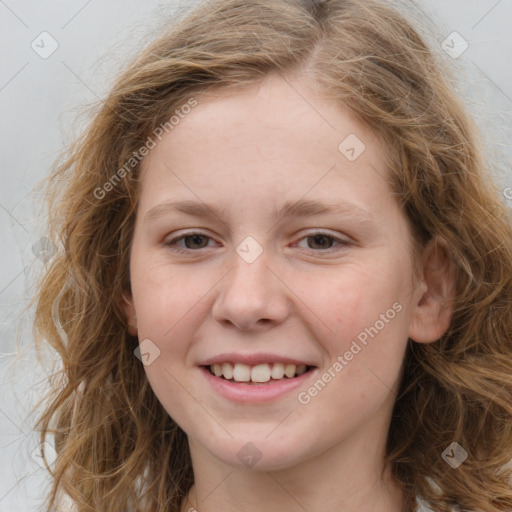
{"x":300,"y":208}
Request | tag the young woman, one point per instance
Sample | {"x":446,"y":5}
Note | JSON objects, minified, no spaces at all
{"x":284,"y":280}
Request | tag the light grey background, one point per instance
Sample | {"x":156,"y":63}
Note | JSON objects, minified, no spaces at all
{"x":39,"y":100}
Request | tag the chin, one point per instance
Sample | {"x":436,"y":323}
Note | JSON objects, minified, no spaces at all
{"x":259,"y":454}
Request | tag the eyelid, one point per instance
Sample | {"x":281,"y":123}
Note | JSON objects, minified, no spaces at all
{"x":327,"y":232}
{"x":186,"y":234}
{"x":318,"y":231}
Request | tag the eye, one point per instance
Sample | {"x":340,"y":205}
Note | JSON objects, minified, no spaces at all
{"x":323,"y":241}
{"x":320,"y":241}
{"x":192,"y":240}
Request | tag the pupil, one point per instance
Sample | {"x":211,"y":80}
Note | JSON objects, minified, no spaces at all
{"x":316,"y":239}
{"x":194,"y":238}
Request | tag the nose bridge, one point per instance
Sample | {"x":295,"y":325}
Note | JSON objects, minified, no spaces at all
{"x":251,"y":260}
{"x":251,"y":292}
{"x":251,"y":273}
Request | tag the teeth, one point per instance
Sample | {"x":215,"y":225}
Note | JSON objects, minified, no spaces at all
{"x":301,"y":369}
{"x":258,"y":373}
{"x":242,"y":372}
{"x":289,"y":370}
{"x":227,"y":370}
{"x":278,"y":371}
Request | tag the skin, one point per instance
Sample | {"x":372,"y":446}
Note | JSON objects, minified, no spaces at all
{"x":247,"y":153}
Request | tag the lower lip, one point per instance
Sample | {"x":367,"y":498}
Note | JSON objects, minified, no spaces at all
{"x":254,"y":393}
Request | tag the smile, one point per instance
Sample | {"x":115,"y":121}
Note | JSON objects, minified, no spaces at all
{"x":264,"y":388}
{"x":257,"y":374}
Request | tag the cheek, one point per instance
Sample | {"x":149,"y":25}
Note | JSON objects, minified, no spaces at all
{"x":348,"y":302}
{"x":164,"y":296}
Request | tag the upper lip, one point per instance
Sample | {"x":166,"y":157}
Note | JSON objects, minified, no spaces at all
{"x":252,"y":359}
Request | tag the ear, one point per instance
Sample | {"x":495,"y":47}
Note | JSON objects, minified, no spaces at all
{"x":434,"y":295}
{"x":129,"y":312}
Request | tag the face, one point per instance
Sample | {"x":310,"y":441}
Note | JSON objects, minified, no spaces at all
{"x":267,"y":233}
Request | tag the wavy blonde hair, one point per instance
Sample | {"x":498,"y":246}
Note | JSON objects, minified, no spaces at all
{"x":117,"y":447}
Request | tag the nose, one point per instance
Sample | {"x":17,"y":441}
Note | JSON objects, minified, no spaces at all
{"x":252,"y":296}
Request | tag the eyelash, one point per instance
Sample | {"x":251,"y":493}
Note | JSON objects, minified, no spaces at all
{"x":172,"y":243}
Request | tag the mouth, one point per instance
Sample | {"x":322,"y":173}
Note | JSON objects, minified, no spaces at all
{"x":259,"y":374}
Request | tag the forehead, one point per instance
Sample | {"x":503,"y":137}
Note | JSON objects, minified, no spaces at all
{"x":278,"y":134}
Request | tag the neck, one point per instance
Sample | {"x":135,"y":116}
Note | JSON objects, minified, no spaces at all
{"x":382,"y":496}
